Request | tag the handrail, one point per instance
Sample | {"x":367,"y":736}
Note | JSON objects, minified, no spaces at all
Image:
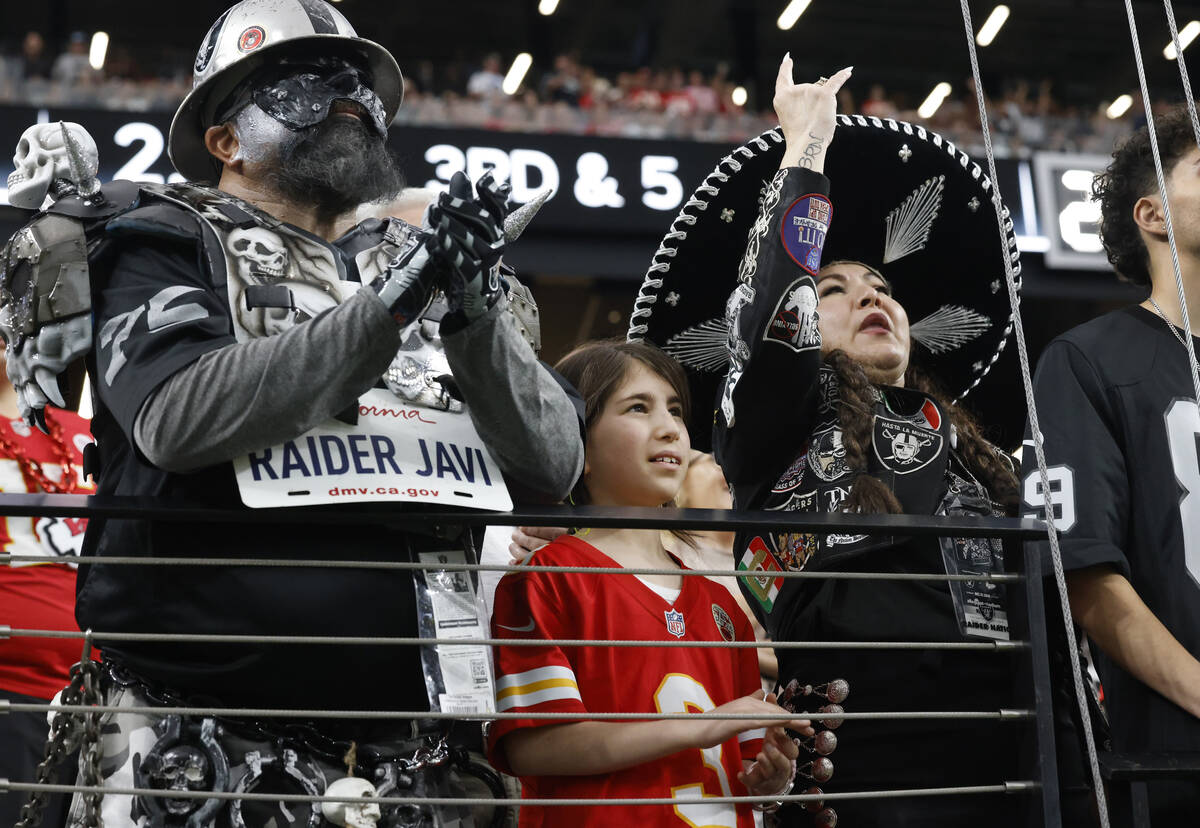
{"x":405,"y":516}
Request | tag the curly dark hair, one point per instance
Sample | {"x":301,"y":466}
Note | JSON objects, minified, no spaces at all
{"x":1131,"y":176}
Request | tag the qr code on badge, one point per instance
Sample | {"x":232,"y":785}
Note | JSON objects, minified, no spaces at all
{"x":479,"y":672}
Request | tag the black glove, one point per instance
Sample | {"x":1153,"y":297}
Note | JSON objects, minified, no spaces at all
{"x":407,"y":286}
{"x":468,"y":240}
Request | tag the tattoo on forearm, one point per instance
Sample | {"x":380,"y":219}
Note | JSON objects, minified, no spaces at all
{"x":812,"y":151}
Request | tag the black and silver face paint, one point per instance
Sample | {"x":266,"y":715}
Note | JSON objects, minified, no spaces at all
{"x":299,"y":95}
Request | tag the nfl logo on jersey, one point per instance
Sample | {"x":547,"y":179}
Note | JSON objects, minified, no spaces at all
{"x":674,"y":622}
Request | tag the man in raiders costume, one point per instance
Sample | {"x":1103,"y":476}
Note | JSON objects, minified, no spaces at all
{"x":236,"y":312}
{"x":1117,"y":410}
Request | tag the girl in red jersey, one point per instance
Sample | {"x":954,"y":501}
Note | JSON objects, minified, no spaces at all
{"x":637,"y":453}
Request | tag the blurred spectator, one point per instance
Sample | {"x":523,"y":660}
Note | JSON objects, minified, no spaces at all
{"x":703,"y":96}
{"x":562,"y":83}
{"x":35,"y":62}
{"x":878,"y":104}
{"x":487,"y":81}
{"x":72,"y":67}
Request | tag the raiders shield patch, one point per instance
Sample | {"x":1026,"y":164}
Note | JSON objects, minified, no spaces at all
{"x":724,"y":623}
{"x":795,"y":321}
{"x":827,"y":455}
{"x":904,"y":447}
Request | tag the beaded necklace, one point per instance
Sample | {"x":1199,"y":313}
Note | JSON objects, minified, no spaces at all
{"x":31,"y":470}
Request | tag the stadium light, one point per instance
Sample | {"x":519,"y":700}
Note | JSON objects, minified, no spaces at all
{"x":934,"y":100}
{"x":791,"y":13}
{"x":738,"y":96}
{"x":1119,"y":107}
{"x":516,"y":73}
{"x":547,"y":7}
{"x":991,"y":26}
{"x":99,"y":50}
{"x":1186,"y":35}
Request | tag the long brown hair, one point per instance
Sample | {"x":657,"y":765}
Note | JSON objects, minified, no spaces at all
{"x":856,"y":410}
{"x":598,"y":368}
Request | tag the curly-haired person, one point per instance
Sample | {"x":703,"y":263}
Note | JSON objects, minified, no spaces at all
{"x":1122,"y":439}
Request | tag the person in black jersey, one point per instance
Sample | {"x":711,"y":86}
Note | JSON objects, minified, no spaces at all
{"x":845,"y":284}
{"x":1117,"y":411}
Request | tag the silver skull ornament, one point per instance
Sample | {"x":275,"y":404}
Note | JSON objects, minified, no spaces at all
{"x":415,"y":375}
{"x":351,"y":814}
{"x":183,"y":768}
{"x":42,"y":157}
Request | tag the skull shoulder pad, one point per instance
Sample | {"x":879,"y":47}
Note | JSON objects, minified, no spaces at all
{"x":44,"y":276}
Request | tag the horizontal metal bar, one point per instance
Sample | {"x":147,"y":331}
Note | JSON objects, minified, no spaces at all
{"x":1014,"y":787}
{"x":401,"y":516}
{"x":193,"y":638}
{"x":464,"y":567}
{"x":270,"y":713}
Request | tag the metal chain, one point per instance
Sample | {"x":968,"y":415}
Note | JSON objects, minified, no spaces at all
{"x":63,"y":736}
{"x":90,"y":750}
{"x":301,"y":737}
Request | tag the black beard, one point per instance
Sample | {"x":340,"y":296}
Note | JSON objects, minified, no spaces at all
{"x":337,"y":165}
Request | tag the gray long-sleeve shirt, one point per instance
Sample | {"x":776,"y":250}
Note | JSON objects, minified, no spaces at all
{"x":253,"y":394}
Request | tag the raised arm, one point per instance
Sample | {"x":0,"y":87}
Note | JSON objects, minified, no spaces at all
{"x":775,"y":346}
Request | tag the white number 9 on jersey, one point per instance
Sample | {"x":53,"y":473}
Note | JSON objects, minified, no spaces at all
{"x":1062,"y":496}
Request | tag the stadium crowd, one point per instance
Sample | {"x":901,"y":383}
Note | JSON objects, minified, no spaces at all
{"x":291,"y":304}
{"x":572,"y":97}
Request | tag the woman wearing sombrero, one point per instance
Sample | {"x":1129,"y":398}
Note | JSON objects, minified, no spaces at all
{"x":838,"y":411}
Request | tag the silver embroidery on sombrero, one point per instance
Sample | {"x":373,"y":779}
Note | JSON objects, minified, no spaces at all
{"x":908,"y":225}
{"x":702,"y":347}
{"x":949,"y":327}
{"x":660,"y":270}
{"x":743,"y":294}
{"x":688,"y":214}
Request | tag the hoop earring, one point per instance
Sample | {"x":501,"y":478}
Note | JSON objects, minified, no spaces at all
{"x":574,"y":531}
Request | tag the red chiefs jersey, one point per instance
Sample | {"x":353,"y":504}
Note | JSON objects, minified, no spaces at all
{"x":39,"y":595}
{"x":623,"y":679}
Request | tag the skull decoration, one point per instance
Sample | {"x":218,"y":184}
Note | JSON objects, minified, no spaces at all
{"x":181,"y":768}
{"x":42,"y":158}
{"x":416,"y":373}
{"x":351,"y":814}
{"x":187,"y":757}
{"x":827,"y":455}
{"x":260,"y":254}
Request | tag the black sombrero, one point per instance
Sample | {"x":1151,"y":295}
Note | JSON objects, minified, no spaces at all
{"x":905,"y":201}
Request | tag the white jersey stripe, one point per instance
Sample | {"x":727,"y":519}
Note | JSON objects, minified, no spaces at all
{"x":518,"y":680}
